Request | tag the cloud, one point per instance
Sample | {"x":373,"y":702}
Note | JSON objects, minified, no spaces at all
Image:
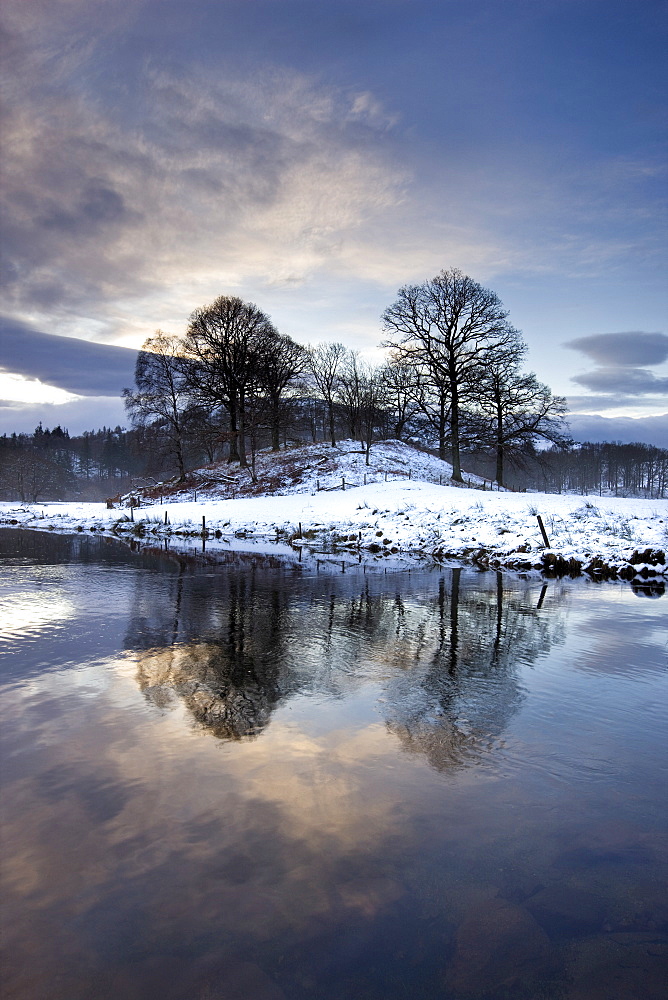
{"x":217,"y":180}
{"x":618,"y":383}
{"x":624,"y":349}
{"x":614,"y":401}
{"x":593,"y":427}
{"x":77,"y":366}
{"x":628,"y":381}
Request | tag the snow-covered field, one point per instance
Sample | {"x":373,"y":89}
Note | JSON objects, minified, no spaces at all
{"x":400,"y":518}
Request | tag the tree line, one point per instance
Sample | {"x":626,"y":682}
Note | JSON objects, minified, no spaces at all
{"x":452,"y":379}
{"x":51,"y":464}
{"x":617,"y":469}
{"x":452,"y":382}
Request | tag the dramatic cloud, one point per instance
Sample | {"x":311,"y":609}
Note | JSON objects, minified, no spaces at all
{"x":313,"y":157}
{"x":617,"y":383}
{"x":593,"y":427}
{"x":614,"y":401}
{"x":77,"y":366}
{"x":625,"y":349}
{"x":629,"y":381}
{"x":217,"y":181}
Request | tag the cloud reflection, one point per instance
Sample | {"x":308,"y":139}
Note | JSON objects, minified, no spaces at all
{"x":447,"y":666}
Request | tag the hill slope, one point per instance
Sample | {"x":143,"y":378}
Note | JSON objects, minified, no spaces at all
{"x":310,"y":469}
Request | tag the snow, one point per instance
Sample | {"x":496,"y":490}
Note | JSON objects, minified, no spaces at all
{"x":389,"y":521}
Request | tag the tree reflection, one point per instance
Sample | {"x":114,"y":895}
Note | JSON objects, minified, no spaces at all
{"x":219,"y":649}
{"x":444,"y":648}
{"x":460,"y":696}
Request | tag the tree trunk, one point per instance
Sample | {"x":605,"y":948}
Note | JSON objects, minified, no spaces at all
{"x":275,"y":425}
{"x":332,"y":433}
{"x":179,"y":456}
{"x":442,"y":424}
{"x":499,"y":447}
{"x":454,"y":437}
{"x":253,"y":440}
{"x":182,"y":468}
{"x":499,"y":463}
{"x":234,"y":449}
{"x":241,"y":437}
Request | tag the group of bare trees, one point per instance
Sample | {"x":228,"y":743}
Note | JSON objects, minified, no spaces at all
{"x":460,"y":362}
{"x":221,"y":383}
{"x":606,"y":468}
{"x":453,"y":377}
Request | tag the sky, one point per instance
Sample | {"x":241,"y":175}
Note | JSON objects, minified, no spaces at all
{"x":313,"y":156}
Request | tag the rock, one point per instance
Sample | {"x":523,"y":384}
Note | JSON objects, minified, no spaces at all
{"x":564,"y":911}
{"x":240,"y":981}
{"x":498,"y":946}
{"x":620,"y":967}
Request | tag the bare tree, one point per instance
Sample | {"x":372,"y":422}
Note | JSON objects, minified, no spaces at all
{"x":518,"y":408}
{"x":401,"y":392}
{"x":373,"y":400}
{"x":227,"y":344}
{"x":161,"y":391}
{"x":449,"y":326}
{"x":283,"y":363}
{"x":33,"y":475}
{"x":325,"y":366}
{"x":362,"y":393}
{"x":349,"y":391}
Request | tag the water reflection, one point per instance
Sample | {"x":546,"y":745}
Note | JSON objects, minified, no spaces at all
{"x":250,"y":781}
{"x":233,"y":646}
{"x":225,"y":657}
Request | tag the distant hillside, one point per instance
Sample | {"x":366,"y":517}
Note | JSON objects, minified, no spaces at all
{"x":312,"y":468}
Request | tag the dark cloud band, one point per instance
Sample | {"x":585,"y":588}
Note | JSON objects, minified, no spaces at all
{"x":79,"y":366}
{"x":624,"y":381}
{"x":593,"y":427}
{"x":631,"y":349}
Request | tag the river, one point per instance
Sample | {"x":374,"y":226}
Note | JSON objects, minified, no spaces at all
{"x":246,"y":778}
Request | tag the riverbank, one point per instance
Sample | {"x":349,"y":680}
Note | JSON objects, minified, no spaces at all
{"x":606,"y":537}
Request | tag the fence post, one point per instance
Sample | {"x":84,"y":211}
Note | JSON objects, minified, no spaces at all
{"x":343,"y":482}
{"x":543,"y":531}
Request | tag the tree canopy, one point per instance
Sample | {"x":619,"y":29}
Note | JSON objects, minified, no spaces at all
{"x":454,"y":376}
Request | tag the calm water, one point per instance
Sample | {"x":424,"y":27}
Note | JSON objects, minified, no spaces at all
{"x":256,"y":781}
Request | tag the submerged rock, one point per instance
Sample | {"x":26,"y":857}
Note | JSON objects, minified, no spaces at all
{"x":620,"y":966}
{"x":565,"y":911}
{"x":498,"y":946}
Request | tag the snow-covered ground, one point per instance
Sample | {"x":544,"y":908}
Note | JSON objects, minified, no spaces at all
{"x":314,"y":468}
{"x":393,"y":518}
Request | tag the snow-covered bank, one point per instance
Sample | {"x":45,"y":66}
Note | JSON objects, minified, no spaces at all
{"x":602,"y":536}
